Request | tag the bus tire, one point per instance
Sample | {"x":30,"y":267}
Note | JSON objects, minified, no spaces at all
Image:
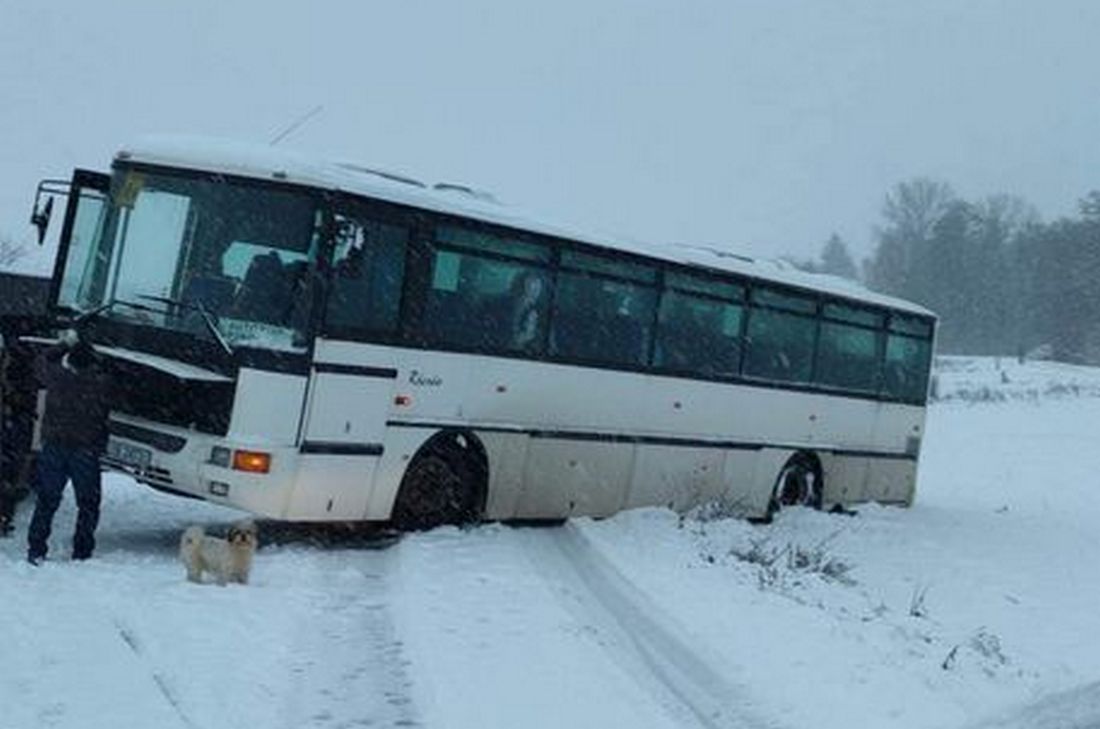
{"x":444,"y":484}
{"x":799,"y":483}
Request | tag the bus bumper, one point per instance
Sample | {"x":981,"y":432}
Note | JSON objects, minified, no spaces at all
{"x":184,"y":462}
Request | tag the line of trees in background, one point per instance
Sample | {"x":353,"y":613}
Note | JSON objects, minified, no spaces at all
{"x":1002,"y":281}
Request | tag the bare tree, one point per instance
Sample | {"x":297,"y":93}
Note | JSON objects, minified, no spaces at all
{"x":10,"y":251}
{"x":913,"y":207}
{"x":910,"y":212}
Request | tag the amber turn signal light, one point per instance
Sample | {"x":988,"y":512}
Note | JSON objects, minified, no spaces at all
{"x":252,"y":461}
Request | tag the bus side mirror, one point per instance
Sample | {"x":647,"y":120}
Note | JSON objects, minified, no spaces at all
{"x":40,"y":214}
{"x":40,"y":218}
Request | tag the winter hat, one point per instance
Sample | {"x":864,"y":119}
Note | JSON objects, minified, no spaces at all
{"x":81,"y":355}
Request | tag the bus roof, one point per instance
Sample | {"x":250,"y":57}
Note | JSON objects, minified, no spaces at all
{"x":274,"y":163}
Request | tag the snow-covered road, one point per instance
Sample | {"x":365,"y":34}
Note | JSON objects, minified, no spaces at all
{"x":975,"y":608}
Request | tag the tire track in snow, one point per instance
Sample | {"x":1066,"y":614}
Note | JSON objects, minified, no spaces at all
{"x":650,"y":645}
{"x":130,"y":639}
{"x":348,"y":668}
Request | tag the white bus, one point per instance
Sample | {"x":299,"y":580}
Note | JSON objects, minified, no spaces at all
{"x":322,"y":341}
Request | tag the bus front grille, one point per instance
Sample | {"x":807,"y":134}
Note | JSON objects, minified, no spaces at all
{"x":152,"y":475}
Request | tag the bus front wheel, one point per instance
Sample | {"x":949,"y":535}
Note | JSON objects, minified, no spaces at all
{"x":441,"y":486}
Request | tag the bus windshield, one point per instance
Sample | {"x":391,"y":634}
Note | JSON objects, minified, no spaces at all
{"x":183,"y":252}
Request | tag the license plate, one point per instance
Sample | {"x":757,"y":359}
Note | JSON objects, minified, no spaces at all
{"x":129,"y":454}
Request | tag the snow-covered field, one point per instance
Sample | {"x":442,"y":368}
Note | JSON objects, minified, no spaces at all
{"x":980,"y":606}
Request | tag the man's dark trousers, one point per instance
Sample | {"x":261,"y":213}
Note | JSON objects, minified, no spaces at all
{"x":56,"y":466}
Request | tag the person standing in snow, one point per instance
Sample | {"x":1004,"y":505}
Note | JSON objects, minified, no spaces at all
{"x":74,"y":434}
{"x":17,"y":406}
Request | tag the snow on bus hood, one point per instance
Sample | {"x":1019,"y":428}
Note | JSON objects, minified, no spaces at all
{"x":177,"y":369}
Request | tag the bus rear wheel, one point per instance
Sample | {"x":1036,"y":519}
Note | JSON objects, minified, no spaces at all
{"x":798,"y":484}
{"x":441,"y":486}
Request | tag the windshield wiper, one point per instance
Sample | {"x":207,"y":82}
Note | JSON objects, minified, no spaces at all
{"x":91,"y":313}
{"x":204,"y":313}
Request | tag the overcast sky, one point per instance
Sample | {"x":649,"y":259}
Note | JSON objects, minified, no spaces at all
{"x":755,"y":126}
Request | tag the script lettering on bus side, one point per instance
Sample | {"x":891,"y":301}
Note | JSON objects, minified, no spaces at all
{"x":421,"y":380}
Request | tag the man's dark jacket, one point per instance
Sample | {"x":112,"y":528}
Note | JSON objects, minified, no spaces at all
{"x":77,"y":400}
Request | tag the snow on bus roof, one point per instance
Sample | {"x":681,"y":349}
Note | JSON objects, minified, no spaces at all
{"x":275,"y":163}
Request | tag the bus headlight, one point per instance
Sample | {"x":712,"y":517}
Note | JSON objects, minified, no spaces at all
{"x":221,"y":456}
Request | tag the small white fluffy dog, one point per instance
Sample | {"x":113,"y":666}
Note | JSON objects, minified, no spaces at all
{"x":229,"y":559}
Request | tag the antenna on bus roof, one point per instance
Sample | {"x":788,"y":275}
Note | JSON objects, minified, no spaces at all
{"x":297,"y":123}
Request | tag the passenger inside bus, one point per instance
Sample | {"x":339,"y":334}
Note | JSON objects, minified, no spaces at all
{"x":367,"y":276}
{"x":266,"y":288}
{"x":528,"y":300}
{"x":625,"y":328}
{"x":678,"y":335}
{"x":272,"y":291}
{"x":351,"y":298}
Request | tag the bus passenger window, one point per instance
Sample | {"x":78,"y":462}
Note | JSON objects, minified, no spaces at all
{"x":486,"y":303}
{"x":848,"y":357}
{"x":367,"y":273}
{"x":905,"y":376}
{"x":780,"y":346}
{"x":598,"y":319}
{"x":696,"y":335}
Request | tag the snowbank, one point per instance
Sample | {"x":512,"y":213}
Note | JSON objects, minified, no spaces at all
{"x":997,"y":379}
{"x":976,"y":607}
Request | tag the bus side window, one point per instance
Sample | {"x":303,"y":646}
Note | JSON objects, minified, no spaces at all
{"x":486,"y":303}
{"x":906,"y":373}
{"x":602,"y":320}
{"x":848,"y":357}
{"x":488,"y":290}
{"x":367,"y":273}
{"x":780,"y":346}
{"x":698,"y":335}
